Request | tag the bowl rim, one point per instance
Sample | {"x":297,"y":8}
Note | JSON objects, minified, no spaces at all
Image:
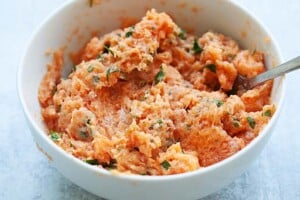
{"x":136,"y":177}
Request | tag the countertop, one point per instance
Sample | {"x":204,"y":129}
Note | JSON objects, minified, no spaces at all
{"x":26,"y":174}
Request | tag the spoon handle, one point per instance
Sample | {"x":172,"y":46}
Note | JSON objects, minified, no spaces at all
{"x":276,"y":71}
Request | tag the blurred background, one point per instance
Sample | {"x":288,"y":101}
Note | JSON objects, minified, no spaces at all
{"x":26,"y":174}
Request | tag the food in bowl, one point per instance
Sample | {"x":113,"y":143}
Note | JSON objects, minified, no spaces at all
{"x":152,"y":99}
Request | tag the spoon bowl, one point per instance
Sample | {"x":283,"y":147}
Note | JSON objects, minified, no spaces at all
{"x":242,"y":83}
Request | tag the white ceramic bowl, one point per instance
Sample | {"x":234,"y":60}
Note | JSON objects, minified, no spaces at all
{"x":200,"y":15}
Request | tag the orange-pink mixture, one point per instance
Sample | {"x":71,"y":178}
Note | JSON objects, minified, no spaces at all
{"x":152,"y":99}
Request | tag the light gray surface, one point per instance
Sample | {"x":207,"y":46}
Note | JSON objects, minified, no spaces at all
{"x":26,"y":174}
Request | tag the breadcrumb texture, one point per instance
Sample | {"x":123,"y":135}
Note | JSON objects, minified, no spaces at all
{"x":153,"y":100}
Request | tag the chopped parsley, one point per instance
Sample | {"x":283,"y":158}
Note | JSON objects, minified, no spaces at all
{"x":267,"y":113}
{"x":219,"y":103}
{"x":196,"y":48}
{"x":165,"y":164}
{"x":108,"y":50}
{"x":84,"y":134}
{"x":211,"y":67}
{"x":251,"y":122}
{"x":159,"y":76}
{"x":100,"y":57}
{"x":233,"y":91}
{"x":54,"y":136}
{"x":92,"y":161}
{"x":130,"y":32}
{"x":236,"y":123}
{"x":157,"y":124}
{"x":231,"y":56}
{"x":182,"y":34}
{"x":111,"y":70}
{"x":88,"y":121}
{"x":159,"y":121}
{"x":74,"y":67}
{"x":90,"y":68}
{"x":54,"y":90}
{"x":111,"y":165}
{"x":96,"y":79}
{"x":143,"y":98}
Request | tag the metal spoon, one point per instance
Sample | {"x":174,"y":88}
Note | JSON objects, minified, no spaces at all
{"x":243,"y":84}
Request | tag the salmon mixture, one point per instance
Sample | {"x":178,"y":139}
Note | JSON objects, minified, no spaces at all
{"x":152,"y":99}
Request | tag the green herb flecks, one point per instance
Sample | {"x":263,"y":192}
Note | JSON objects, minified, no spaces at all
{"x":96,"y":79}
{"x":130,"y":32}
{"x":196,"y":47}
{"x":100,"y":57}
{"x":111,"y":165}
{"x":159,"y":121}
{"x":218,"y":102}
{"x":84,"y":134}
{"x":111,"y":70}
{"x":233,"y":91}
{"x":90,"y":68}
{"x":267,"y":113}
{"x":54,"y":136}
{"x":231,"y":57}
{"x":251,"y":122}
{"x":236,"y":123}
{"x":88,"y":121}
{"x":157,"y":124}
{"x":165,"y":164}
{"x":54,"y":90}
{"x":143,"y":98}
{"x":92,"y":161}
{"x":107,"y":49}
{"x":159,"y":76}
{"x":182,"y":34}
{"x":74,"y":67}
{"x":211,"y":67}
